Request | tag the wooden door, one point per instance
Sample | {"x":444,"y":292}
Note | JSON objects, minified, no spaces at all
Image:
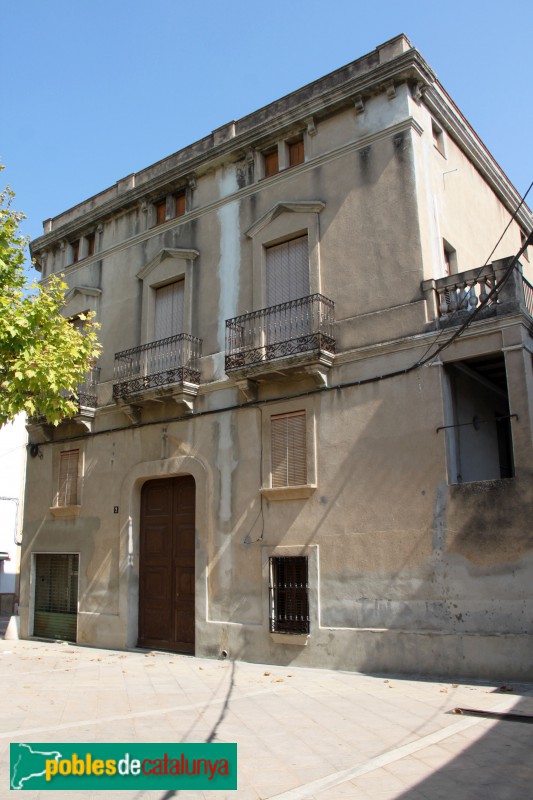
{"x":166,"y":570}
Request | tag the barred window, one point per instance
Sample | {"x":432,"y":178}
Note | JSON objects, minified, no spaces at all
{"x":289,"y":449}
{"x":68,"y":478}
{"x":289,"y":602}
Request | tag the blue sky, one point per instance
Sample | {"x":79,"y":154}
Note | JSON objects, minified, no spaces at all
{"x":93,"y":90}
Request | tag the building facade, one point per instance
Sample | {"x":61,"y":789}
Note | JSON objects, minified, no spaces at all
{"x":277,"y":459}
{"x":13,"y":438}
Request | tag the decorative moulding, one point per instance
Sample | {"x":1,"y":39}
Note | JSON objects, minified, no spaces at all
{"x":303,"y":207}
{"x":288,"y":492}
{"x":299,"y":639}
{"x":89,"y":291}
{"x":65,"y":511}
{"x":167,"y":252}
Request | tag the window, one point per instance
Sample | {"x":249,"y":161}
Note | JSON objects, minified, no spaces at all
{"x":75,"y":250}
{"x":169,"y":310}
{"x":271,"y":163}
{"x":91,"y":239}
{"x":296,"y":153}
{"x":289,"y":594}
{"x":179,"y":204}
{"x":479,"y":438}
{"x":438,"y":137}
{"x":289,"y":449}
{"x":67,"y":494}
{"x":160,"y":211}
{"x":450,"y":258}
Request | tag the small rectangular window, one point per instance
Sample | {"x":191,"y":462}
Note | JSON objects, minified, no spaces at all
{"x":289,"y":594}
{"x":91,"y":238}
{"x":75,"y":250}
{"x":271,"y":163}
{"x":179,"y":204}
{"x":438,"y":137}
{"x":160,"y":212}
{"x":450,"y":258}
{"x":68,"y":478}
{"x":296,"y":153}
{"x":289,"y":449}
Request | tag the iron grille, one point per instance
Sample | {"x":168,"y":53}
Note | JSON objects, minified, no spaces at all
{"x":289,"y":601}
{"x":296,"y":327}
{"x":161,"y":363}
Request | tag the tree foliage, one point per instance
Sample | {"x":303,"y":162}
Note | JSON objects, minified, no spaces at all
{"x":43,"y":357}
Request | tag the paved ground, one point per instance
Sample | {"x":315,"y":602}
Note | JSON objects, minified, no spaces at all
{"x":302,"y":734}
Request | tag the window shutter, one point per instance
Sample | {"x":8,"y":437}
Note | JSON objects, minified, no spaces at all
{"x":68,"y":478}
{"x":296,"y":153}
{"x":169,"y":310}
{"x":271,"y":163}
{"x":289,"y":449}
{"x":180,"y":204}
{"x":287,"y":271}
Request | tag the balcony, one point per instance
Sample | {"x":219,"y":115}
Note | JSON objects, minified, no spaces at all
{"x":166,"y":369}
{"x":286,"y":339}
{"x":453,"y":298}
{"x":86,"y":402}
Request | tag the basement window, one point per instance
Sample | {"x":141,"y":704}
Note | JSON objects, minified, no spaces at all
{"x":478,"y":429}
{"x":289,"y":594}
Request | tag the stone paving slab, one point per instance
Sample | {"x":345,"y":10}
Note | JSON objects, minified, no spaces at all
{"x":302,"y":734}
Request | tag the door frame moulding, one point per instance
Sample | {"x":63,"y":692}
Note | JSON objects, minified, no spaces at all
{"x":130,"y":523}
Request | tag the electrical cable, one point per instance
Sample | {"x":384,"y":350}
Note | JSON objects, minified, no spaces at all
{"x":494,"y":291}
{"x":480,"y":269}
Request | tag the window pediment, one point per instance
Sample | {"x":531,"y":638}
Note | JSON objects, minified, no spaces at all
{"x":302,"y":207}
{"x":165,"y":254}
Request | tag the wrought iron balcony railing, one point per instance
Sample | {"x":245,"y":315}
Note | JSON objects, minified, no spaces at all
{"x":161,"y":363}
{"x":87,"y":397}
{"x":296,"y":327}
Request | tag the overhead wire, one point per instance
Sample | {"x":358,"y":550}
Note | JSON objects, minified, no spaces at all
{"x":456,"y":311}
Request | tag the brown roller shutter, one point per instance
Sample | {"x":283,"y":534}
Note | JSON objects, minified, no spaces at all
{"x":289,"y":449}
{"x":56,"y":596}
{"x":68,"y":478}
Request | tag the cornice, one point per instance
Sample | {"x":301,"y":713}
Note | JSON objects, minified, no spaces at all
{"x":478,"y":329}
{"x":409,"y":123}
{"x":407,"y":66}
{"x":446,"y":113}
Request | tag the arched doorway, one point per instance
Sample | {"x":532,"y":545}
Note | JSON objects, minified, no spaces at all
{"x":166,"y":564}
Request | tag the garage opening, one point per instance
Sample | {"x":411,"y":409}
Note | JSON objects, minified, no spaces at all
{"x":56,"y":596}
{"x":479,"y":438}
